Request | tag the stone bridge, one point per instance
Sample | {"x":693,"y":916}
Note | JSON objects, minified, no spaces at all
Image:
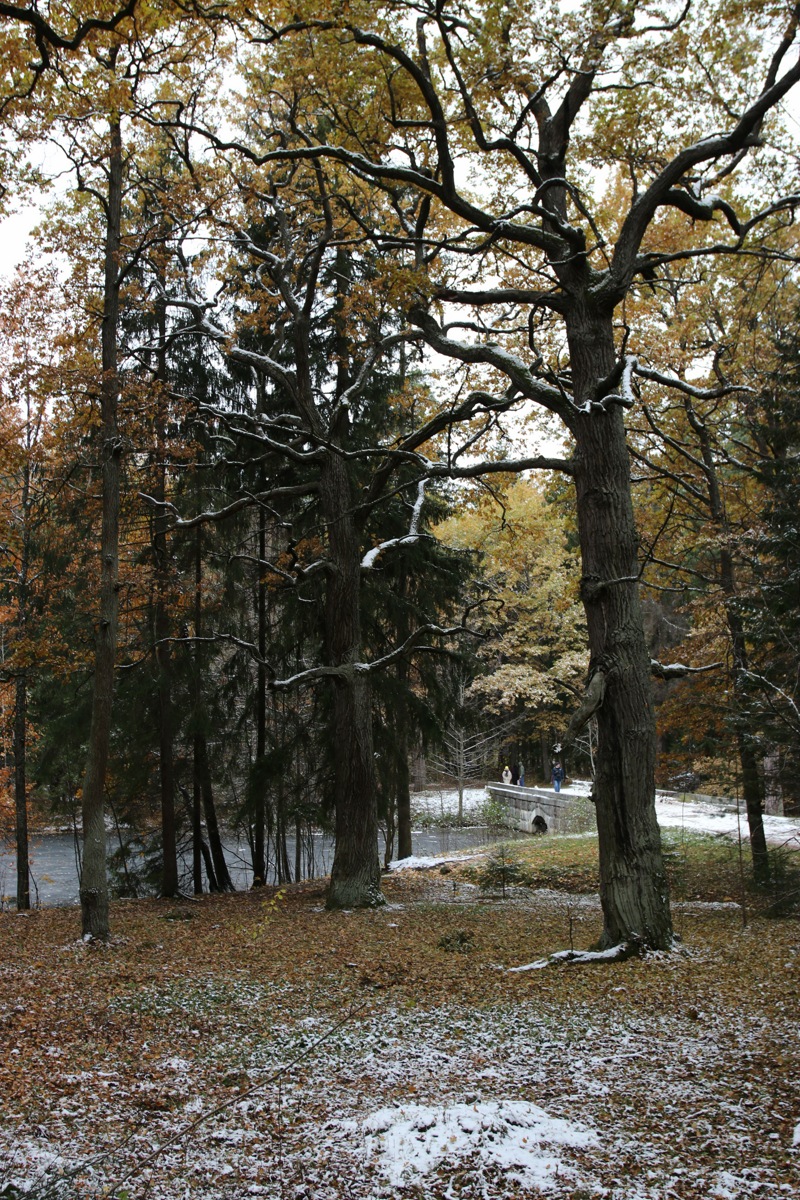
{"x":541,"y":810}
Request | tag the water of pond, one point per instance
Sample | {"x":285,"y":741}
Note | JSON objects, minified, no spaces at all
{"x":54,"y":866}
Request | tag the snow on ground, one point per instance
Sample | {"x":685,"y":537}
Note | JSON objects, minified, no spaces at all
{"x":494,"y":1103}
{"x":526,"y":1098}
{"x":721,"y":818}
{"x":410,"y":1141}
{"x":424,"y":862}
{"x":717,"y":817}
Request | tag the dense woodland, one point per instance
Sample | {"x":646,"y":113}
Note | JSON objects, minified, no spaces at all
{"x":391,"y":383}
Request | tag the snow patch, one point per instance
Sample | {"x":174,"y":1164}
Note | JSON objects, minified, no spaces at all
{"x":409,"y":1142}
{"x":422,"y":862}
{"x":575,"y":956}
{"x":720,"y":819}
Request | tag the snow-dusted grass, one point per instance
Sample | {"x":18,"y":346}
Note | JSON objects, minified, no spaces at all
{"x":315,"y":1056}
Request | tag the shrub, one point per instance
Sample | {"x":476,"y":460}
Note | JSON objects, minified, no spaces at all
{"x":461,"y":942}
{"x":502,"y":871}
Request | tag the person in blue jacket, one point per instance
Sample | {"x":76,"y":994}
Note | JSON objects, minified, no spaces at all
{"x":557,"y":776}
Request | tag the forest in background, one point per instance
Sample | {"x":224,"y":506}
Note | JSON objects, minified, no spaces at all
{"x":272,"y":418}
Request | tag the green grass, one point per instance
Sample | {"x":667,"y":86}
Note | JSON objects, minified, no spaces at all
{"x":699,"y":867}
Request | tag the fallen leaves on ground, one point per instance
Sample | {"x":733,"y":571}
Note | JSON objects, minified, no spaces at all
{"x":225,"y":1047}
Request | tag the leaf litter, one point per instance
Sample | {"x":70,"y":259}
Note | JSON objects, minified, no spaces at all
{"x":290,"y":1052}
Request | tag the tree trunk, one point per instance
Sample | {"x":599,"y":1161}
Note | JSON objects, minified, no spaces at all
{"x":402,"y":774}
{"x":259,"y":808}
{"x":221,"y":872}
{"x":94,"y":882}
{"x":197,"y":833}
{"x":752,"y":787}
{"x":20,"y":793}
{"x":213,"y":886}
{"x":545,"y":749}
{"x":283,"y":868}
{"x":202,"y":771}
{"x":169,"y":849}
{"x":403,"y":795}
{"x":633,"y":887}
{"x":356,"y":873}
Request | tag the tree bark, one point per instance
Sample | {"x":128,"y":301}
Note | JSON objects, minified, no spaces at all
{"x":633,"y":886}
{"x":21,"y":702}
{"x":202,"y":770}
{"x":197,"y":834}
{"x":259,"y":807}
{"x":752,"y":786}
{"x":224,"y":883}
{"x":403,"y":795}
{"x":169,"y":849}
{"x":402,"y":775}
{"x":20,"y":793}
{"x":94,"y":881}
{"x":356,"y":873}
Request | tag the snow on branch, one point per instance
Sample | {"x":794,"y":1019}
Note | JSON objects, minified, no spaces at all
{"x":250,"y":499}
{"x":412,"y":643}
{"x":522,"y":378}
{"x":702,"y":210}
{"x":500,"y":466}
{"x":622,"y":378}
{"x":689,"y":389}
{"x":618,"y":953}
{"x":348,"y":670}
{"x":762,"y":679}
{"x":679,"y":670}
{"x":370,"y":558}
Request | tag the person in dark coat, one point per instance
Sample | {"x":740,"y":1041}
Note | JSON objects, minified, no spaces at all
{"x":557,"y":776}
{"x":515,"y":774}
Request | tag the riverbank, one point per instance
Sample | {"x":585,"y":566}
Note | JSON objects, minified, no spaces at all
{"x":437,"y":831}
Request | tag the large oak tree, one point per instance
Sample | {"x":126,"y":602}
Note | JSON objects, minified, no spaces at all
{"x":478,"y":125}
